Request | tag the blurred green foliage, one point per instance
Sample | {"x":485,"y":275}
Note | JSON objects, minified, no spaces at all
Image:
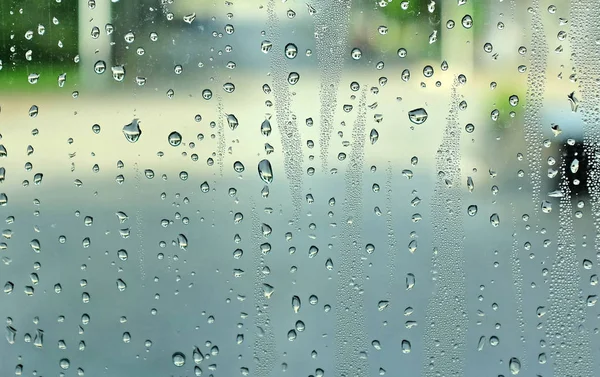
{"x":418,"y":21}
{"x":57,"y":21}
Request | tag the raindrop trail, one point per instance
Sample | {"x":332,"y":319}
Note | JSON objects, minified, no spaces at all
{"x":350,"y":336}
{"x":391,"y":236}
{"x":139,"y":222}
{"x":331,"y":26}
{"x":517,"y":275}
{"x":584,"y":23}
{"x":221,"y":135}
{"x":265,"y":349}
{"x":447,"y":308}
{"x":536,"y":79}
{"x":288,"y":127}
{"x":570,"y":346}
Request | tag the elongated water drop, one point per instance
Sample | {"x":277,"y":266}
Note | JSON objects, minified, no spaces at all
{"x":232,"y":121}
{"x":406,"y":347}
{"x":197,"y":355}
{"x":374,"y":136}
{"x":265,"y":172}
{"x":470,"y":184}
{"x":514,"y":365}
{"x":265,"y":128}
{"x":182,"y":241}
{"x":296,"y":304}
{"x":575,"y":166}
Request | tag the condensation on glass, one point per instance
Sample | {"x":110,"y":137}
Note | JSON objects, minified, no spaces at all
{"x":330,"y":188}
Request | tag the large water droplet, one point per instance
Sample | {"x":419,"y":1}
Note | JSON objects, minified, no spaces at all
{"x":265,"y":128}
{"x":118,"y":72}
{"x":467,"y":21}
{"x":374,"y":136}
{"x":472,"y":210}
{"x":514,"y":365}
{"x":265,"y":172}
{"x":495,"y":220}
{"x":296,"y":304}
{"x":418,"y":116}
{"x":575,"y":166}
{"x":132,"y":131}
{"x":406,"y":347}
{"x":178,"y":359}
{"x":291,"y":51}
{"x":546,"y":206}
{"x":174,"y":138}
{"x":197,"y":355}
{"x":232,"y":121}
{"x":64,"y":364}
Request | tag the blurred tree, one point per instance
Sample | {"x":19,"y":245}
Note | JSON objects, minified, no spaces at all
{"x":417,"y":20}
{"x":51,"y":29}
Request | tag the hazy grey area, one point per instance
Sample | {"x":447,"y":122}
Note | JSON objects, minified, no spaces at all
{"x":383,"y":247}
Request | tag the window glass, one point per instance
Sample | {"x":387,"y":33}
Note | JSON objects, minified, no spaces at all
{"x":270,"y":188}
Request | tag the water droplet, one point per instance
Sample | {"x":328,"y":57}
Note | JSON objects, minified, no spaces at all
{"x":296,"y":304}
{"x":182,"y":241}
{"x":514,"y":365}
{"x":207,"y":94}
{"x":418,"y":116}
{"x":356,"y":53}
{"x":178,"y":359}
{"x":495,"y":220}
{"x":33,"y":78}
{"x":374,"y":136}
{"x":406,"y":347}
{"x":35,"y":245}
{"x":405,"y":75}
{"x":197,"y":355}
{"x":132,"y":131}
{"x":118,"y":72}
{"x":265,"y":172}
{"x":8,"y":287}
{"x":291,"y":51}
{"x":467,"y":21}
{"x":64,"y":364}
{"x":11,"y":334}
{"x":382,"y":305}
{"x":410,"y":281}
{"x":174,"y":138}
{"x":433,"y":37}
{"x":189,"y":18}
{"x":546,"y":206}
{"x":238,"y":167}
{"x":472,"y":210}
{"x":268,"y":290}
{"x":265,"y":46}
{"x":265,"y":128}
{"x":232,"y":121}
{"x":574,"y":166}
